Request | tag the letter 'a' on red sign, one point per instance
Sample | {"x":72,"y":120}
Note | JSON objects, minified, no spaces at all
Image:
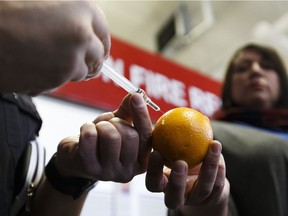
{"x":168,"y":84}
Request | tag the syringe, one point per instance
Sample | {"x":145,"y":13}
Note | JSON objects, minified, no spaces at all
{"x":127,"y":85}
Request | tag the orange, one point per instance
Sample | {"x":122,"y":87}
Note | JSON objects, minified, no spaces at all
{"x":182,"y":134}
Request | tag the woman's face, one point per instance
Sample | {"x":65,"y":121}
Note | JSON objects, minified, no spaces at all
{"x":255,"y":84}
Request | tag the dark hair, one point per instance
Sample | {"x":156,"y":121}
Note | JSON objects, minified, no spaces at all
{"x":267,"y":53}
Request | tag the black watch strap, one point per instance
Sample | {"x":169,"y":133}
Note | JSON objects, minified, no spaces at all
{"x":71,"y":186}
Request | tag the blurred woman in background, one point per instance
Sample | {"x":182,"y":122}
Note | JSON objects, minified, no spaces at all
{"x":253,"y":129}
{"x":252,"y":126}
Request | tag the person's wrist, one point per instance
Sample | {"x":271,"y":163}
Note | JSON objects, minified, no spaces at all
{"x":71,"y":186}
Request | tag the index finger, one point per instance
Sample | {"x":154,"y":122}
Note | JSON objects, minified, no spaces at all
{"x":134,"y":109}
{"x":143,"y":125}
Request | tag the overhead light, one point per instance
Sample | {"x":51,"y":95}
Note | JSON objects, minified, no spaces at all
{"x":178,"y":31}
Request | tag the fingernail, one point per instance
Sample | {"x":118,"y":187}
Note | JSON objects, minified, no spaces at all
{"x":137,"y":100}
{"x":179,"y":167}
{"x":93,"y":70}
{"x":215,"y":149}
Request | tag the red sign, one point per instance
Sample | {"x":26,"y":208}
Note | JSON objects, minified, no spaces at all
{"x":168,"y":84}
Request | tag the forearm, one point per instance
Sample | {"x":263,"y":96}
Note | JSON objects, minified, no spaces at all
{"x":47,"y":201}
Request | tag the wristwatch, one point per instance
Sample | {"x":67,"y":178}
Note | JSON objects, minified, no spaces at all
{"x":71,"y":186}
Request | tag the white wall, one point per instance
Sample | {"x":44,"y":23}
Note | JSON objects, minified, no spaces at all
{"x":61,"y":119}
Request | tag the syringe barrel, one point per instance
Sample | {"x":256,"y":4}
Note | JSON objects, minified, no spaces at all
{"x":117,"y":78}
{"x":127,"y":85}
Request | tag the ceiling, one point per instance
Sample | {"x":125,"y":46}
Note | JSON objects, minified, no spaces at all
{"x":218,"y":28}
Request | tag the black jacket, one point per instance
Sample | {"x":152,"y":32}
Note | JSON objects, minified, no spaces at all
{"x":19,"y":124}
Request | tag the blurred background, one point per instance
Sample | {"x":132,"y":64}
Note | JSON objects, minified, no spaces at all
{"x":199,"y":35}
{"x":206,"y":32}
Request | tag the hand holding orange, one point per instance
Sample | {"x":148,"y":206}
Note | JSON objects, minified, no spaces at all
{"x":182,"y":134}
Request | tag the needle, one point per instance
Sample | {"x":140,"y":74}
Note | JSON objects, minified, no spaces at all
{"x":127,"y":85}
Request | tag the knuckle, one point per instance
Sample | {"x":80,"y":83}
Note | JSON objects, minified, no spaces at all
{"x":81,"y":35}
{"x":117,"y":176}
{"x":204,"y":193}
{"x":88,"y":135}
{"x":114,"y":136}
{"x":131,"y":135}
{"x":219,"y":186}
{"x":125,"y":178}
{"x":212,"y":164}
{"x":86,"y":132}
